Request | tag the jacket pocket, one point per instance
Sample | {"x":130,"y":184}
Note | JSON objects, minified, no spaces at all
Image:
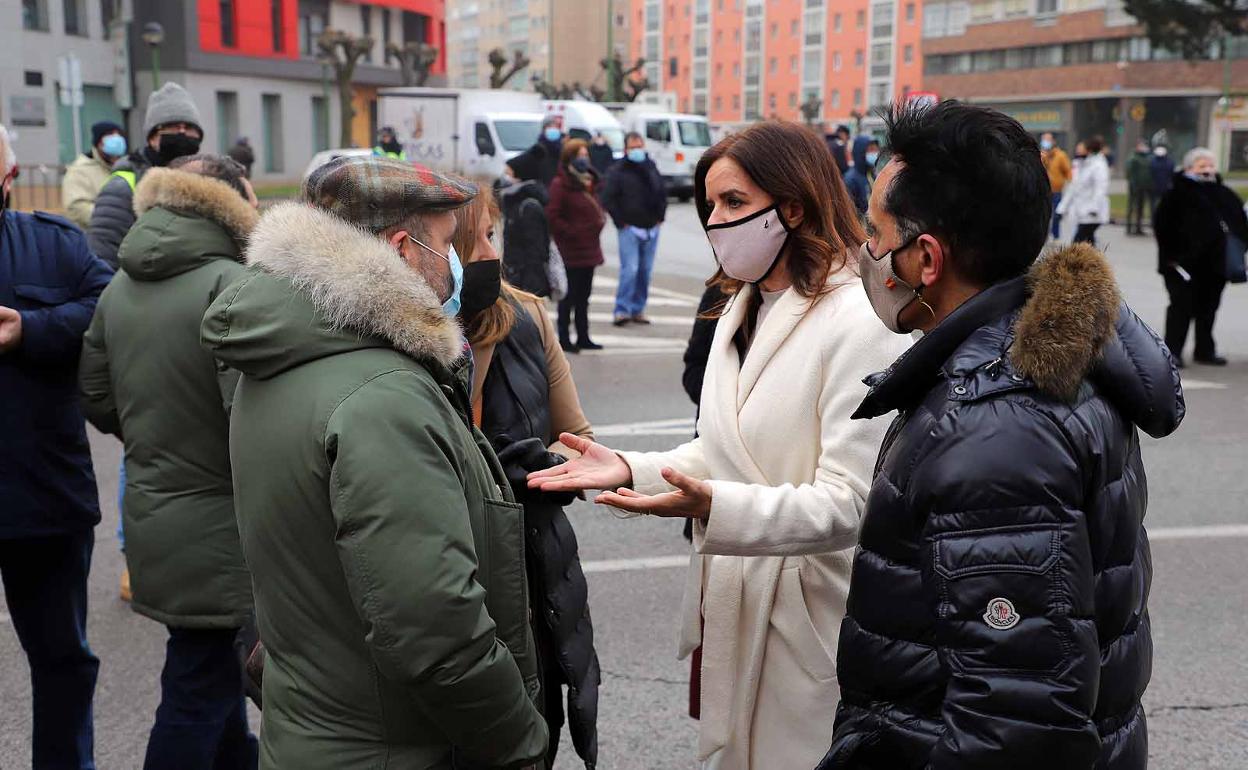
{"x":31,"y":296}
{"x":1000,"y":597}
{"x":507,"y":591}
{"x":791,"y":621}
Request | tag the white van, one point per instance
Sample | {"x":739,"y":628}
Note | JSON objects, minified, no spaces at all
{"x":675,"y":142}
{"x":582,"y":120}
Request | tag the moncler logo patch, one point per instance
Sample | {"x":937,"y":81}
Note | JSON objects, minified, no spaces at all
{"x":1001,"y":614}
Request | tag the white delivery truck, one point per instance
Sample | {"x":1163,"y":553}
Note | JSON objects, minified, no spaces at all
{"x":582,"y":120}
{"x":674,"y":140}
{"x":473,"y":132}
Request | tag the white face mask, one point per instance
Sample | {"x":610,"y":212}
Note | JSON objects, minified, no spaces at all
{"x":747,"y":249}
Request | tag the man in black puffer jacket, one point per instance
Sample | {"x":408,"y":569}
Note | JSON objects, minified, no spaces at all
{"x":997,"y":616}
{"x":172,"y":127}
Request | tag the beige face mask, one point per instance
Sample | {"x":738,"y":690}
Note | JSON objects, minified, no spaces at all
{"x":888,"y":293}
{"x":747,"y":249}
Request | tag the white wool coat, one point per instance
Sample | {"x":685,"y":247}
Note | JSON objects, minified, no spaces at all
{"x":790,"y":472}
{"x":1087,"y":195}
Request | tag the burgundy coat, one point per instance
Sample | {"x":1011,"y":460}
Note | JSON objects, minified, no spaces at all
{"x":576,"y":220}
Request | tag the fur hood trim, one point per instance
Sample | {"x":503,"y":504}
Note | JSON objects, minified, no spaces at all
{"x":196,"y":194}
{"x":355,"y":279}
{"x":1068,"y":319}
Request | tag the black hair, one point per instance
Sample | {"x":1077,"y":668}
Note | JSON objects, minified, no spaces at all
{"x":1095,"y":145}
{"x":631,"y":135}
{"x":973,"y":177}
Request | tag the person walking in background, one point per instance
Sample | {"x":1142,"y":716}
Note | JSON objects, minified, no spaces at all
{"x":523,"y":397}
{"x":601,"y":156}
{"x":49,"y":284}
{"x":385,"y":547}
{"x":1086,"y":198}
{"x":1139,"y":188}
{"x":168,"y":400}
{"x":776,"y":480}
{"x":388,"y":145}
{"x":1194,"y":222}
{"x":241,"y":152}
{"x":998,"y":611}
{"x":541,"y":161}
{"x":89,"y":171}
{"x":576,"y":220}
{"x":838,"y":145}
{"x":856,"y":181}
{"x":1162,"y":169}
{"x":172,"y":128}
{"x":526,"y":235}
{"x":636,"y":199}
{"x":1057,"y":166}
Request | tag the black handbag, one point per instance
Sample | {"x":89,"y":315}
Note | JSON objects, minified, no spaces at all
{"x":1236,"y":269}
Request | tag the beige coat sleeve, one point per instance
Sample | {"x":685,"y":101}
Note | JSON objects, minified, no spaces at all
{"x":78,"y":193}
{"x":566,"y":415}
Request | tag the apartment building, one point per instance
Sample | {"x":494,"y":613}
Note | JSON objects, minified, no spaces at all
{"x":742,"y":60}
{"x":564,"y":39}
{"x":1085,"y":67}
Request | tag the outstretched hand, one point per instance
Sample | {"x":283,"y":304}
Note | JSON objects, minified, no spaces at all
{"x":691,"y":500}
{"x":597,"y":468}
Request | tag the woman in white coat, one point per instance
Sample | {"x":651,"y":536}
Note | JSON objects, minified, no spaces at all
{"x":1087,"y":195}
{"x":776,"y":481}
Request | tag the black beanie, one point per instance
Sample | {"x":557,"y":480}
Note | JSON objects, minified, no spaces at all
{"x":102,"y":129}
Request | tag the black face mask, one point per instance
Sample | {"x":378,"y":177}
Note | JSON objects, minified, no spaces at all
{"x":174,"y":146}
{"x":483,"y":283}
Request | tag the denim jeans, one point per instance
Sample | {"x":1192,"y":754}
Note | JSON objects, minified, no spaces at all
{"x":121,"y":502}
{"x":636,"y":262}
{"x":1057,"y":218}
{"x":45,"y":584}
{"x":201,"y":723}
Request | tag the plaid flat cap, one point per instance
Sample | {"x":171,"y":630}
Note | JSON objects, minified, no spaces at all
{"x":375,"y":192}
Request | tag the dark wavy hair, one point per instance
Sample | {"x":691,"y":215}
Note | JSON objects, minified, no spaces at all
{"x":792,"y":164}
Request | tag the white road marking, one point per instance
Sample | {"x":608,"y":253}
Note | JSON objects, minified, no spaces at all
{"x":611,"y":283}
{"x":609,"y":301}
{"x":4,"y":617}
{"x":1190,"y":384}
{"x":624,"y":344}
{"x":670,"y":562}
{"x":685,"y":321}
{"x":682,"y":426}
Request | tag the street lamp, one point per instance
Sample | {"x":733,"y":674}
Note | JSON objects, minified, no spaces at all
{"x":154,"y":35}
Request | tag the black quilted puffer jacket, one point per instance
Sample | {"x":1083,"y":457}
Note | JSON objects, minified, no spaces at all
{"x":997,"y":614}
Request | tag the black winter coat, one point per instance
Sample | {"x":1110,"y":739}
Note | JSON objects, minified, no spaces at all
{"x":538,"y":163}
{"x":113,"y":215}
{"x":1188,"y":225}
{"x":526,"y":237}
{"x":515,"y":417}
{"x":47,"y":274}
{"x":997,"y":615}
{"x":635,"y":194}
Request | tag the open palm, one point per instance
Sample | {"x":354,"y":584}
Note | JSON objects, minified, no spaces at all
{"x":597,"y":468}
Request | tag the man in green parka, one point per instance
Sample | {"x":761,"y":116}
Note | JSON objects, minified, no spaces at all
{"x":145,"y":378}
{"x":386,"y":553}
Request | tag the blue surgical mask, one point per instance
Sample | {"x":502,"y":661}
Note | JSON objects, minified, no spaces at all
{"x":451,"y":305}
{"x":872,"y":157}
{"x":113,"y":145}
{"x":1045,"y":144}
{"x":637,"y":155}
{"x":553,"y":134}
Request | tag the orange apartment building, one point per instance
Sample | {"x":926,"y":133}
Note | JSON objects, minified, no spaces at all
{"x":737,"y":61}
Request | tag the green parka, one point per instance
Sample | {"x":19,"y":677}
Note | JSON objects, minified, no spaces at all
{"x":145,"y":378}
{"x":386,"y":553}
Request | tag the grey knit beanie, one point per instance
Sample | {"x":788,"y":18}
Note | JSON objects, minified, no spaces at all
{"x":171,"y":104}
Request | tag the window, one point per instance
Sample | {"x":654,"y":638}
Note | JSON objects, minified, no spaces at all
{"x":33,"y":79}
{"x":736,"y":101}
{"x":909,"y":13}
{"x":835,"y":99}
{"x":320,"y":124}
{"x":271,"y":119}
{"x":659,"y":130}
{"x":673,"y":67}
{"x":792,"y":99}
{"x":736,"y":69}
{"x":836,"y":22}
{"x":771,"y":102}
{"x":983,"y":10}
{"x":836,"y":61}
{"x":385,"y":28}
{"x":694,"y":133}
{"x":35,"y":15}
{"x":879,"y":94}
{"x":415,"y":27}
{"x":228,"y":38}
{"x":227,"y":119}
{"x":718,"y":101}
{"x":793,"y":28}
{"x":857,"y":97}
{"x":771,"y":66}
{"x":861,"y":20}
{"x":277,"y":25}
{"x":881,"y":60}
{"x":1046,"y":7}
{"x":908,"y":54}
{"x":313,"y":18}
{"x":108,"y":14}
{"x":75,"y":17}
{"x":858,"y":58}
{"x":366,"y":26}
{"x":882,"y":20}
{"x":485,"y":142}
{"x":793,"y":65}
{"x":1015,"y":8}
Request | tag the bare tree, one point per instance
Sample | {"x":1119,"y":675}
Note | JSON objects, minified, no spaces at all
{"x":810,"y":109}
{"x":621,"y":83}
{"x":498,"y":61}
{"x":415,"y":60}
{"x":343,"y":52}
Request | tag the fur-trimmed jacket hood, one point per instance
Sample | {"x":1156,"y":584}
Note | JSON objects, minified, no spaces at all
{"x":184,"y":220}
{"x":319,"y":286}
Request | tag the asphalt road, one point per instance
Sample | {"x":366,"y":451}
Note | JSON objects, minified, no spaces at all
{"x":1197,"y":703}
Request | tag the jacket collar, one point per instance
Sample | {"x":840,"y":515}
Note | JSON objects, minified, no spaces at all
{"x":355,"y":280}
{"x":1046,"y":331}
{"x":196,"y":195}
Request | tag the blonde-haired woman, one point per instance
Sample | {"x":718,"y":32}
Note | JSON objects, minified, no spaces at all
{"x":523,"y":397}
